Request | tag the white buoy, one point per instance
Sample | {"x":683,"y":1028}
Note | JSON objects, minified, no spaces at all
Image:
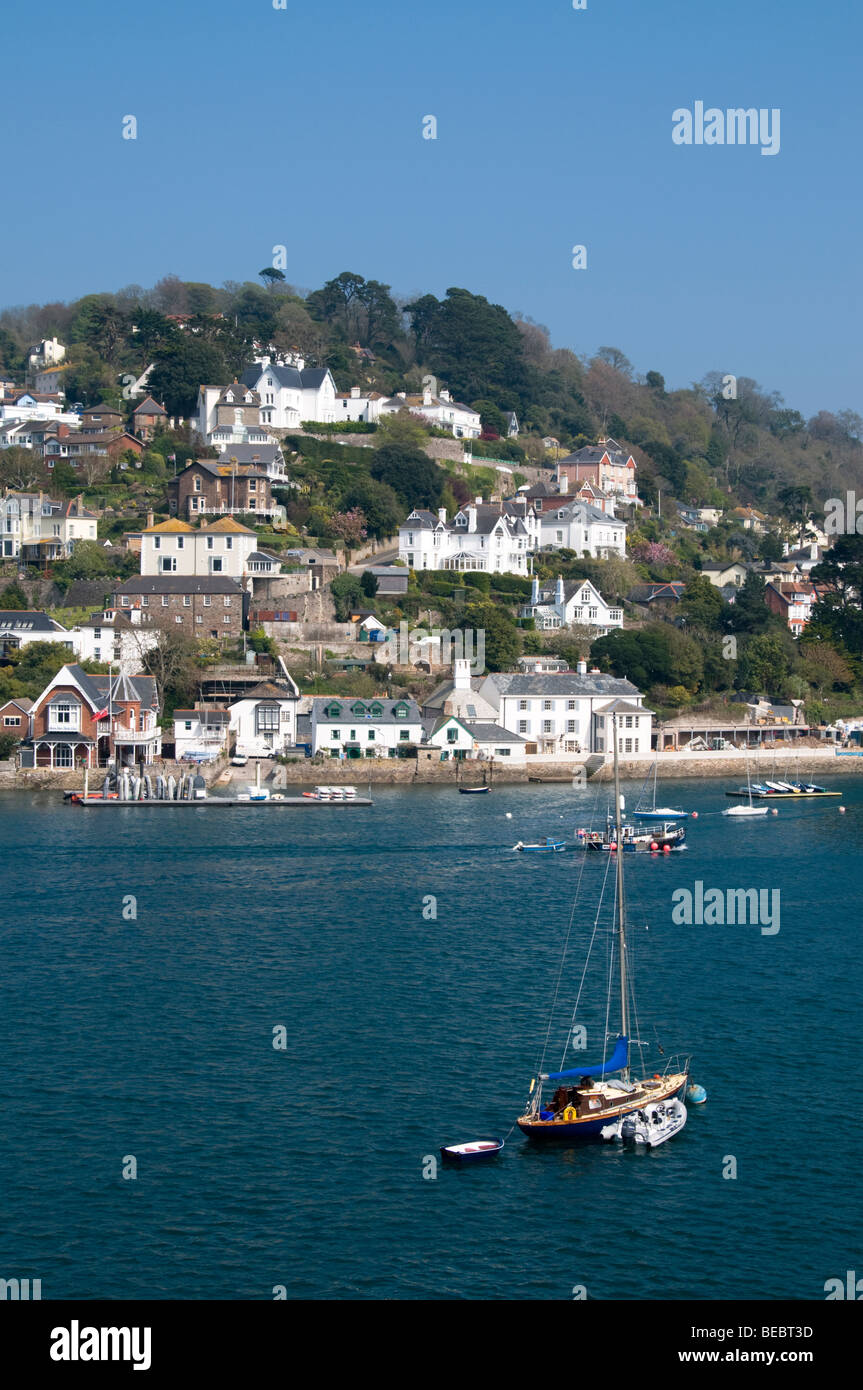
{"x":773,"y":811}
{"x":509,"y":815}
{"x":841,"y":810}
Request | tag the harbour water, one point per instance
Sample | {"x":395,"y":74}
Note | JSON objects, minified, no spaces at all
{"x":410,"y":1023}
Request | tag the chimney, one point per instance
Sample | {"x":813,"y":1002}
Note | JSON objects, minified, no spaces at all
{"x":441,"y":513}
{"x":461,"y":674}
{"x":355,"y":393}
{"x":402,"y":395}
{"x":471,"y":518}
{"x":595,"y":671}
{"x":558,"y":590}
{"x":534,"y":590}
{"x":427,"y":396}
{"x":445,"y":396}
{"x":149,"y":520}
{"x":581,"y":668}
{"x":563,"y":482}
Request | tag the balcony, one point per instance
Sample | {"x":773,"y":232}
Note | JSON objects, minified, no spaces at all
{"x":122,"y":733}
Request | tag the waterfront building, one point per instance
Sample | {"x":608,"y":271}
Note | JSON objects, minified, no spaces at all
{"x":264,"y":720}
{"x":355,"y":728}
{"x":91,"y":720}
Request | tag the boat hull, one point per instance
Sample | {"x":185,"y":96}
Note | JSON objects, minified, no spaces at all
{"x":589,"y":1127}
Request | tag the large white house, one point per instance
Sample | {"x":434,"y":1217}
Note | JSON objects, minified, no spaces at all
{"x":353,"y":728}
{"x":564,"y":713}
{"x":115,"y":637}
{"x":354,"y":405}
{"x":568,"y":602}
{"x":223,"y":547}
{"x":583,"y":528}
{"x":291,"y":394}
{"x":33,"y":405}
{"x":442,"y":411}
{"x":497,"y":539}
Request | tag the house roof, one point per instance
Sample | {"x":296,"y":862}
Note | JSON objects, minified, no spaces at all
{"x":492,"y":733}
{"x":251,"y":453}
{"x":149,"y":407}
{"x":172,"y":527}
{"x":226,"y":526}
{"x":28,"y":620}
{"x":560,"y":683}
{"x":321,"y":703}
{"x":309,"y":379}
{"x":98,"y":689}
{"x":648,"y":593}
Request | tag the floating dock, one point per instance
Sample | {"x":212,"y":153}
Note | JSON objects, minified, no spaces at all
{"x":209,"y":801}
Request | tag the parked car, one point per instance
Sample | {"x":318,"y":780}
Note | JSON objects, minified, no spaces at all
{"x":239,"y":760}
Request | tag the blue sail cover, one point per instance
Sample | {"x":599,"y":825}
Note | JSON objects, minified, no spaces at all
{"x":616,"y":1062}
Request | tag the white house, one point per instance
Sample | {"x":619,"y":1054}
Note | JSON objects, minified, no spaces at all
{"x":33,"y":405}
{"x":566,"y":713}
{"x":441,"y":411}
{"x":352,"y":728}
{"x":264,"y":722}
{"x":115,"y":637}
{"x":571,"y":601}
{"x":48,"y":353}
{"x":354,"y":405}
{"x":497,"y":539}
{"x":462,"y":739}
{"x":291,"y":394}
{"x":20,"y":627}
{"x":200,"y":734}
{"x":583,"y":528}
{"x":224,"y":547}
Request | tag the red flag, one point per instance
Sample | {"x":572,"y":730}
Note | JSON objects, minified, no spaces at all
{"x":102,"y":714}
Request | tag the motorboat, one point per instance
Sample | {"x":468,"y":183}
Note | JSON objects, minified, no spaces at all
{"x":651,"y":1125}
{"x":546,"y":846}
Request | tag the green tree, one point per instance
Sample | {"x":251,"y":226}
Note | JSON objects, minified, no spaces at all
{"x":412,"y":475}
{"x":180,"y":368}
{"x":702,"y":603}
{"x":369,"y":583}
{"x":13,"y":596}
{"x":379,"y":504}
{"x":271,"y":276}
{"x":348,"y":595}
{"x":500,"y":634}
{"x":763,"y":663}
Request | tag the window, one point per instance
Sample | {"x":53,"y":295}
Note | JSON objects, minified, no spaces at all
{"x":125,"y":601}
{"x":227,"y":602}
{"x":523,"y":704}
{"x":522,"y":726}
{"x":267,"y":719}
{"x":11,"y":721}
{"x":570,"y":704}
{"x":145,"y":601}
{"x":336,"y":733}
{"x":165,"y":600}
{"x":97,"y":634}
{"x":404,"y":735}
{"x":167,"y":564}
{"x":187,"y":600}
{"x":547,"y":704}
{"x":629,"y":745}
{"x":196,"y":484}
{"x":547,"y":726}
{"x":157,"y":542}
{"x":371,"y":735}
{"x":452,"y":735}
{"x":229,"y":543}
{"x":180,"y":540}
{"x":570,"y":726}
{"x":207,"y":601}
{"x":501,"y":752}
{"x":198,"y":618}
{"x":400,"y":711}
{"x":187,"y":724}
{"x":216,"y":564}
{"x":63,"y":755}
{"x":210,"y":542}
{"x":65,"y":714}
{"x":227,"y":618}
{"x":178,"y":618}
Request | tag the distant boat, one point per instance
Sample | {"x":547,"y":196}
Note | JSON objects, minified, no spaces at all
{"x":655,"y":812}
{"x":473,"y":791}
{"x":632,"y":838}
{"x":750,"y":810}
{"x":546,"y":846}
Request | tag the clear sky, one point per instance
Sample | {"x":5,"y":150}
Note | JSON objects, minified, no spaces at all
{"x":303,"y":126}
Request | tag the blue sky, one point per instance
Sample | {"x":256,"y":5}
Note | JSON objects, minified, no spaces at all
{"x":303,"y":127}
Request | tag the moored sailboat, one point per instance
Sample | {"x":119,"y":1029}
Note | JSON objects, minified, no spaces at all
{"x":588,"y":1099}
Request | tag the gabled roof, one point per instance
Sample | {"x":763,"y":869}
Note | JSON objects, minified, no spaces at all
{"x":226,"y":526}
{"x":178,"y":584}
{"x":561,"y":683}
{"x":149,"y":407}
{"x":172,"y":527}
{"x":28,"y":620}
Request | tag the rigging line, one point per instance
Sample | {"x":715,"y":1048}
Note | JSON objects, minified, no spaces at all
{"x":608,"y":992}
{"x":556,"y":993}
{"x":596,"y":929}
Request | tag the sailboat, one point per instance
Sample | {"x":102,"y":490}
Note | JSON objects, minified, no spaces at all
{"x":749,"y":810}
{"x":657,"y":812}
{"x":588,"y":1099}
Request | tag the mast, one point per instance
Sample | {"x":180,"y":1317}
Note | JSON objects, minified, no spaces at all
{"x":621,"y":915}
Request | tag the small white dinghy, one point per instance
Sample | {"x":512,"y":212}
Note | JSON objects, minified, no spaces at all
{"x":651,"y":1125}
{"x":747,"y":811}
{"x":471,"y":1151}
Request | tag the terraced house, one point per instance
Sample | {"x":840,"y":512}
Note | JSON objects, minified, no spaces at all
{"x":364,"y":728}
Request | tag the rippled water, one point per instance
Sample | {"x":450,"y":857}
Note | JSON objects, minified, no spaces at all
{"x":304,"y":1167}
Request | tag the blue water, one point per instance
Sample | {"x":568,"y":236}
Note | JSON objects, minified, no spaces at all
{"x":304,"y":1167}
